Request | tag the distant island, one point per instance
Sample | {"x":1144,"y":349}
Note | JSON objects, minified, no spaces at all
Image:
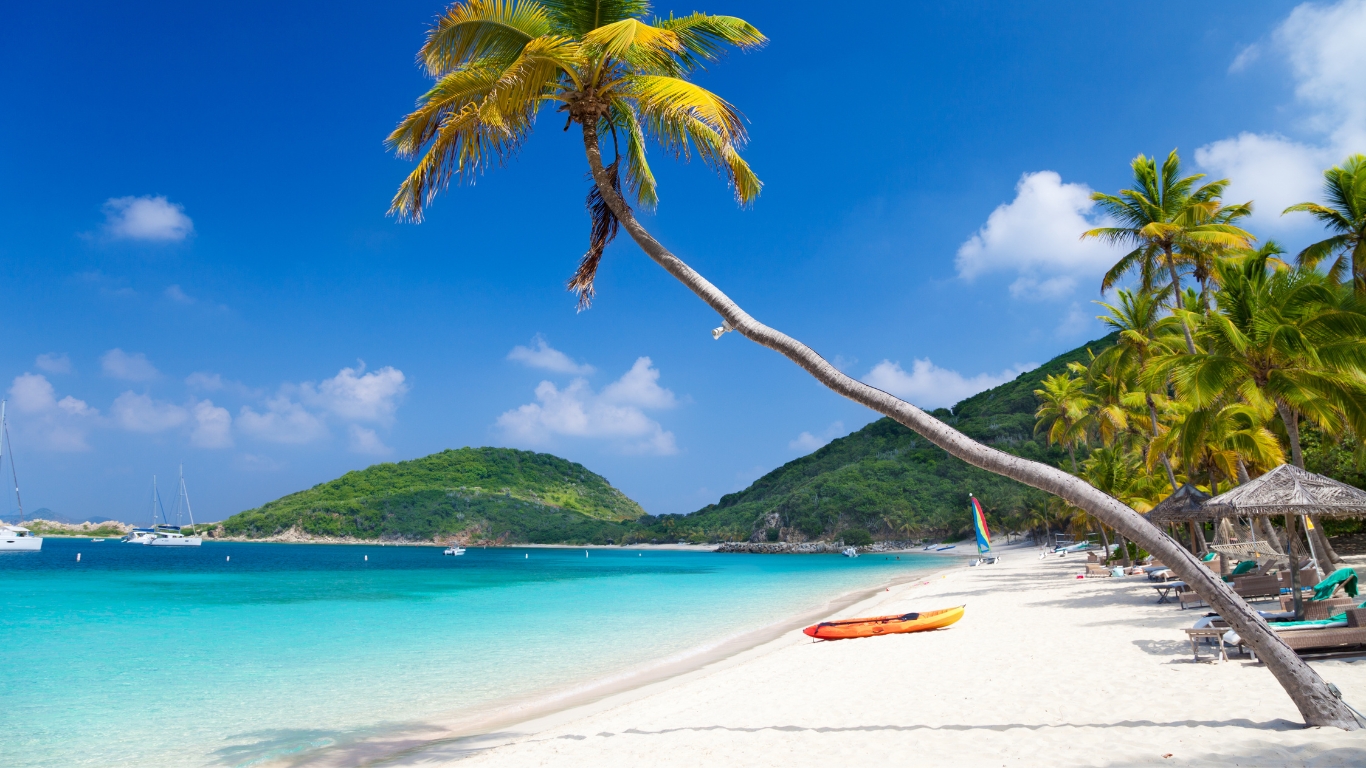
{"x":466,"y":495}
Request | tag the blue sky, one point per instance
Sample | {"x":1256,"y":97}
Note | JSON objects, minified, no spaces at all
{"x":196,"y":265}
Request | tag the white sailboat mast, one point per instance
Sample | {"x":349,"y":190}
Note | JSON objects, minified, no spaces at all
{"x":184,"y":494}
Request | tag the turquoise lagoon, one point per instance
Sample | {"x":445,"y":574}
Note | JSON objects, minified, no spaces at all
{"x":237,"y":654}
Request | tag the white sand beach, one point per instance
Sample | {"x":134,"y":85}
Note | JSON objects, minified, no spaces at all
{"x":1045,"y":669}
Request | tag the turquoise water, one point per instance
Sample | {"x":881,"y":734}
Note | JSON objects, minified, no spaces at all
{"x":146,"y":656}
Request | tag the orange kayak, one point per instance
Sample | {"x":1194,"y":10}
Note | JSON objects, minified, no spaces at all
{"x":885,"y":625}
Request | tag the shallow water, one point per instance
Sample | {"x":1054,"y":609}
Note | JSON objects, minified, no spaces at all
{"x":147,"y":656}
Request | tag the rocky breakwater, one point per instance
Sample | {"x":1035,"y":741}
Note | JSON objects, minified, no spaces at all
{"x":807,"y":547}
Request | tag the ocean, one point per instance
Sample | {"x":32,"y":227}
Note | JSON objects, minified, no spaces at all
{"x":241,"y":654}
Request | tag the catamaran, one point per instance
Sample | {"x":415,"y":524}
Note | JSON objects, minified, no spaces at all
{"x":14,"y":537}
{"x":165,"y":534}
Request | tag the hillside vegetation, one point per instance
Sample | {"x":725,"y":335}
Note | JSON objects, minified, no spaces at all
{"x":885,"y":479}
{"x":469,"y":494}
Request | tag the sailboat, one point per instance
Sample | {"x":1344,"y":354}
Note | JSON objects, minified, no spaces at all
{"x":165,"y":534}
{"x":982,"y":532}
{"x":14,"y":537}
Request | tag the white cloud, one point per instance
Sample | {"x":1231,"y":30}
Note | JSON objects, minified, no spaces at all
{"x":807,"y":442}
{"x":542,"y":355}
{"x":1245,"y":58}
{"x":32,"y":393}
{"x":208,"y":382}
{"x":1325,"y":46}
{"x":1270,"y":170}
{"x":1038,"y":236}
{"x":212,"y":426}
{"x":615,"y":415}
{"x":53,"y":362}
{"x":121,"y":365}
{"x":49,"y":423}
{"x":140,"y":413}
{"x":640,"y":386}
{"x":283,"y":421}
{"x":367,"y":442}
{"x":358,"y":396}
{"x":929,"y":386}
{"x":174,"y":293}
{"x":146,"y":218}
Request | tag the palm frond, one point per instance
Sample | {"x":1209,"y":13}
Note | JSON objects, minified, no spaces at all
{"x":579,"y":17}
{"x":604,"y":229}
{"x":479,"y":29}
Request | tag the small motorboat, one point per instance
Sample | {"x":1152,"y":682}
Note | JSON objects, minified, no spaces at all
{"x":849,"y":552}
{"x":845,"y":629}
{"x":97,"y":540}
{"x":454,"y":549}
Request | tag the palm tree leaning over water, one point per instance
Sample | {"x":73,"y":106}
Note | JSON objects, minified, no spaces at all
{"x":497,"y":63}
{"x":1345,"y":187}
{"x":1169,"y":222}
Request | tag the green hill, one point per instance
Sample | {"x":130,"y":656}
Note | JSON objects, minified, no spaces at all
{"x":885,"y":471}
{"x":469,"y":494}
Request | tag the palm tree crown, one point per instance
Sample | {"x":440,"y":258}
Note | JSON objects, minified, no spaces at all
{"x":498,"y":62}
{"x":1345,"y":188}
{"x":1171,"y":223}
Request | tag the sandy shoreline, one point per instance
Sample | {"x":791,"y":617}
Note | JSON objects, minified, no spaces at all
{"x":1043,"y":669}
{"x":454,"y":737}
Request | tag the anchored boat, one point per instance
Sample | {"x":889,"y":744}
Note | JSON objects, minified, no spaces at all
{"x":165,"y":534}
{"x":845,"y":629}
{"x":15,"y":537}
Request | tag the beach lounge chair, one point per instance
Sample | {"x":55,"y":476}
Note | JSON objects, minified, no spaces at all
{"x":1253,"y":587}
{"x":1318,"y":610}
{"x":1329,"y":638}
{"x":1189,"y":597}
{"x":1307,"y":578}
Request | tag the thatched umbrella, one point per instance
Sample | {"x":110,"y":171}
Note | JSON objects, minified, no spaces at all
{"x":1291,"y":491}
{"x":1184,"y":506}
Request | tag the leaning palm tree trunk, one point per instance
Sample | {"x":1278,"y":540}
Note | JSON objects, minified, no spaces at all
{"x":1312,"y":696}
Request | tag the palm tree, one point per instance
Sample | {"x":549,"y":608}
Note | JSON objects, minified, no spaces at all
{"x":498,"y":62}
{"x":1345,"y":189}
{"x":1064,"y":412}
{"x":1168,"y":220}
{"x":1281,"y":339}
{"x":1143,"y":333}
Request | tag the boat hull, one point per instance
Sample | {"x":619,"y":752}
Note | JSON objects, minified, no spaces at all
{"x":188,"y":541}
{"x":20,"y":543}
{"x":846,"y":629}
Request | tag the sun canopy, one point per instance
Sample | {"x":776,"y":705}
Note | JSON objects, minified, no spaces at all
{"x":1289,"y":490}
{"x":1184,"y":505}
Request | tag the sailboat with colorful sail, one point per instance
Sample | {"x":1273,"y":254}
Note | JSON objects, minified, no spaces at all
{"x":983,"y":533}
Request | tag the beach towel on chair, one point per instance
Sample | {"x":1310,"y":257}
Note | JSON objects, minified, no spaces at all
{"x":1344,"y":577}
{"x":1244,"y":567}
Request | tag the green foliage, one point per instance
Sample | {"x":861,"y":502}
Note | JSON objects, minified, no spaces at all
{"x":856,"y":537}
{"x":479,"y":494}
